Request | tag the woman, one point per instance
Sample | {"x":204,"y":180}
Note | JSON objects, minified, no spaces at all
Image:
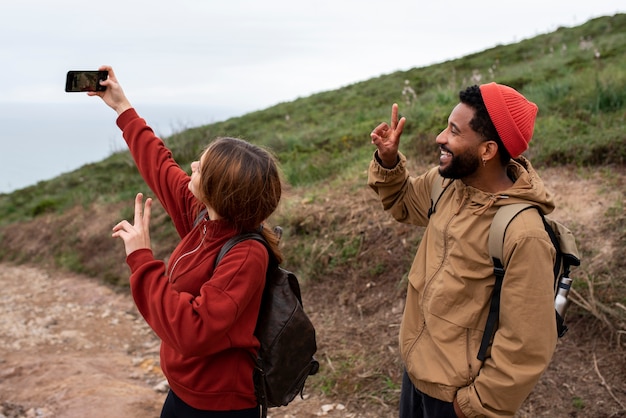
{"x":205,"y":317}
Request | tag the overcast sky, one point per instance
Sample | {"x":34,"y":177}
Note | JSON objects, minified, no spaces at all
{"x":251,"y":54}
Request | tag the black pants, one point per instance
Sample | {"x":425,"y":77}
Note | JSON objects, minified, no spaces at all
{"x":415,"y":404}
{"x":174,"y":407}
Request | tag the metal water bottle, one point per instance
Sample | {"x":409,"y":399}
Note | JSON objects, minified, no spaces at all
{"x":561,"y":302}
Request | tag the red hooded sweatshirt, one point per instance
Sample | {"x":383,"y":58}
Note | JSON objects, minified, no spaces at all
{"x":205,"y":318}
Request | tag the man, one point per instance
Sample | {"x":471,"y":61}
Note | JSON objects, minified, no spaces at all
{"x":451,"y":279}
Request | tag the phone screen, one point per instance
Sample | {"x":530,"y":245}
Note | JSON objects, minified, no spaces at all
{"x":78,"y":81}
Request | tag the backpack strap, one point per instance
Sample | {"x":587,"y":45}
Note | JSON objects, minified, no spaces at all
{"x":236,"y":240}
{"x":501,"y":220}
{"x":257,"y":236}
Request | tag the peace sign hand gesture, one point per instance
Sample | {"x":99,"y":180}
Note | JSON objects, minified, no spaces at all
{"x":136,"y":236}
{"x":387,"y":138}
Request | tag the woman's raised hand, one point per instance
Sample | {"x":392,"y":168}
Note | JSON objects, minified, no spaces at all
{"x":113,"y":95}
{"x":136,"y":236}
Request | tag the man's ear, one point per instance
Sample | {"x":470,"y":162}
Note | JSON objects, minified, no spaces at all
{"x":489,"y":150}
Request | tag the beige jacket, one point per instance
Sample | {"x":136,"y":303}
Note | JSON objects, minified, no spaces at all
{"x":450,"y":286}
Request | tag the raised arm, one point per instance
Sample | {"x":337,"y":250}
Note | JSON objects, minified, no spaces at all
{"x":154,"y":160}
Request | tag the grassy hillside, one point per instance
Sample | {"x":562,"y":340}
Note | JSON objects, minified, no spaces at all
{"x":575,"y":75}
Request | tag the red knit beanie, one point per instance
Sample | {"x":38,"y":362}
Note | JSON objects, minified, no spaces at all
{"x":512,"y":115}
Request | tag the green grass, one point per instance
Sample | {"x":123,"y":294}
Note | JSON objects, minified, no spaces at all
{"x":581,"y":98}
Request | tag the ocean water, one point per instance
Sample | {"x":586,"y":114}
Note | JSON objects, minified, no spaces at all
{"x":42,"y":141}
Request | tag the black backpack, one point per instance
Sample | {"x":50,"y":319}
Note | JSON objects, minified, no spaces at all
{"x":566,"y":256}
{"x":287,"y":336}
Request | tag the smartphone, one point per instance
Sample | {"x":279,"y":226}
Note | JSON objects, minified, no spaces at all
{"x":77,"y":81}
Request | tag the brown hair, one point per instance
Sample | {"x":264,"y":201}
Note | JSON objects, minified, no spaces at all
{"x":241,"y":182}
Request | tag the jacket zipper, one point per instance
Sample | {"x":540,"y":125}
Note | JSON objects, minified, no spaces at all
{"x":427,"y":285}
{"x":445,"y":252}
{"x":187,"y":253}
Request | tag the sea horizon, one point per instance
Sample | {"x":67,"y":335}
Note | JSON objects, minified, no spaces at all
{"x":42,"y":141}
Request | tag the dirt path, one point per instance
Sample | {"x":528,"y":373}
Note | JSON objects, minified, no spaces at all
{"x":69,"y":345}
{"x":73,"y":348}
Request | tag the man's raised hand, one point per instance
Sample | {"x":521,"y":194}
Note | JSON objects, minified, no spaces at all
{"x":387,"y":138}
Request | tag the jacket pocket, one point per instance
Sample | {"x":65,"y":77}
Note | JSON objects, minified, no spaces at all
{"x":412,"y":326}
{"x":462,"y":302}
{"x":455,"y":320}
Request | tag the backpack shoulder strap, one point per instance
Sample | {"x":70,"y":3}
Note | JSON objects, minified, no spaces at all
{"x":504,"y":216}
{"x":501,"y":221}
{"x":561,"y":237}
{"x":236,"y":240}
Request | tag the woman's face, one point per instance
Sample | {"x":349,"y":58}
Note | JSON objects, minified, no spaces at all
{"x":195,"y":185}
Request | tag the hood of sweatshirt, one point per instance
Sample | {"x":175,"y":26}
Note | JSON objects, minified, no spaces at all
{"x":528,"y":187}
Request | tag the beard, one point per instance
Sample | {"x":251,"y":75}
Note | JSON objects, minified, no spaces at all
{"x":461,"y":166}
